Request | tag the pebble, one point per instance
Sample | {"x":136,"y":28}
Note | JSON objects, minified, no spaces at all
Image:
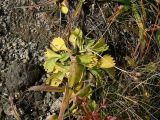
{"x":0,"y":59}
{"x":56,"y":105}
{"x":19,"y":50}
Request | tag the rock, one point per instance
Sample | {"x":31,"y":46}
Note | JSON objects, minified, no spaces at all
{"x":19,"y":76}
{"x":0,"y":59}
{"x":6,"y":106}
{"x":1,"y":110}
{"x":3,"y":28}
{"x":1,"y":87}
{"x":56,"y":105}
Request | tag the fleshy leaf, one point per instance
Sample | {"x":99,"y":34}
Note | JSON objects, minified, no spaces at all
{"x":55,"y":79}
{"x":55,"y":82}
{"x":58,"y":44}
{"x":76,"y":38}
{"x":93,"y":105}
{"x":59,"y":67}
{"x":89,"y":42}
{"x":106,"y":62}
{"x":100,"y":46}
{"x":64,"y":57}
{"x":111,"y":72}
{"x":49,"y":64}
{"x":51,"y":54}
{"x":73,"y":39}
{"x":88,"y":59}
{"x":78,"y":32}
{"x":85,"y":91}
{"x":76,"y":72}
{"x":97,"y":73}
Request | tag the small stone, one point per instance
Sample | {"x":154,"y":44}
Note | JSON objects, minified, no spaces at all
{"x":1,"y":110}
{"x":41,"y":59}
{"x":14,"y":44}
{"x":6,"y":107}
{"x":2,"y":65}
{"x":1,"y":88}
{"x":22,"y":44}
{"x":0,"y":59}
{"x":8,"y":45}
{"x":56,"y":105}
{"x":26,"y":54}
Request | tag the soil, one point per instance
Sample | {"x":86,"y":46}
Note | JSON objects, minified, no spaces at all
{"x":26,"y":29}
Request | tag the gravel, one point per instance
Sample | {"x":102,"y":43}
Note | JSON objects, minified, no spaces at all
{"x":24,"y":33}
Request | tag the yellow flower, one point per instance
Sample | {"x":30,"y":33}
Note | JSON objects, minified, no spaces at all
{"x":64,"y":8}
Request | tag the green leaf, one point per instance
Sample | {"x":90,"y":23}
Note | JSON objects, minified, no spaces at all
{"x":73,"y":39}
{"x":106,"y":62}
{"x":76,"y":72}
{"x":78,"y":32}
{"x":88,"y":59}
{"x":111,"y":72}
{"x":60,"y":67}
{"x":100,"y":46}
{"x":76,"y":38}
{"x":89,"y":42}
{"x":64,"y":57}
{"x":158,"y":37}
{"x":92,"y":105}
{"x":55,"y":79}
{"x":86,"y":91}
{"x":51,"y":54}
{"x":58,"y":44}
{"x":97,"y":73}
{"x":73,"y":109}
{"x":140,"y":24}
{"x":151,"y":67}
{"x":49,"y":64}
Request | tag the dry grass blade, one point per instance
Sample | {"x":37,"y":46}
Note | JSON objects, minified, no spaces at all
{"x":112,"y":18}
{"x":78,"y":8}
{"x":65,"y":103}
{"x":46,"y":88}
{"x":142,"y":34}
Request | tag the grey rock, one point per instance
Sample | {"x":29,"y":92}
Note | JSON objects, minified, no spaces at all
{"x":6,"y":106}
{"x":56,"y":105}
{"x":1,"y":110}
{"x":20,"y":76}
{"x":0,"y":59}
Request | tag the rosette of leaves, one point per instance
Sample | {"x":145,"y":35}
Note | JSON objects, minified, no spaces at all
{"x":74,"y":71}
